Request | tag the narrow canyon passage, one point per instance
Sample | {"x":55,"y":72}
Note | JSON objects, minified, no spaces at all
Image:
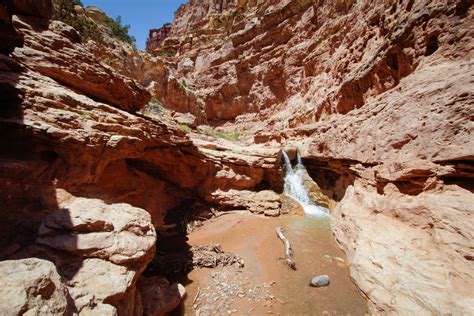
{"x":266,"y":284}
{"x":149,"y":179}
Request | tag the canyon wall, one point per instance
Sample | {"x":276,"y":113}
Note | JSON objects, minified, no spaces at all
{"x":257,"y":58}
{"x":86,"y":179}
{"x":378,"y":97}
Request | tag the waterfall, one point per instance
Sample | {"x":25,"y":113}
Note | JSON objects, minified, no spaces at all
{"x":294,"y":187}
{"x":299,"y":162}
{"x":288,"y":168}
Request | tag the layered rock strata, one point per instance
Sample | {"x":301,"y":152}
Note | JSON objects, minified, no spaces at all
{"x":378,"y":99}
{"x":93,"y":177}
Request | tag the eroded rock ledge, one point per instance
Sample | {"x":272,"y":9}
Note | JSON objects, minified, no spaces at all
{"x":377,"y":98}
{"x":93,"y":178}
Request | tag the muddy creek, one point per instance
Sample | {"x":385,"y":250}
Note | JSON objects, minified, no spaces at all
{"x":266,"y":285}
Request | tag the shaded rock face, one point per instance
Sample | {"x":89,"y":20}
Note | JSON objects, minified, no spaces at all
{"x":160,"y":297}
{"x":92,"y":177}
{"x":8,"y":36}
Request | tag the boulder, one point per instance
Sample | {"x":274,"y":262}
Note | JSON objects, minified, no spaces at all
{"x":99,"y":286}
{"x":314,"y":191}
{"x":32,"y":287}
{"x":290,"y":206}
{"x":262,"y":202}
{"x":319,"y":281}
{"x":120,"y":233}
{"x":158,"y":296}
{"x":100,"y":250}
{"x":185,"y":119}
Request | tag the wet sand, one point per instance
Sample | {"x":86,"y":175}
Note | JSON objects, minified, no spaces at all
{"x":266,"y":285}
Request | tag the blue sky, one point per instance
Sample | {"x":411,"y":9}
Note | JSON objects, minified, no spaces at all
{"x":142,"y":15}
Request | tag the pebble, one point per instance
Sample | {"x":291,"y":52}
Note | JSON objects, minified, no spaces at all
{"x":321,"y":280}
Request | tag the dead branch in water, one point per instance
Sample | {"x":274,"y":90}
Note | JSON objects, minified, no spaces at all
{"x":196,"y":297}
{"x":288,"y":250}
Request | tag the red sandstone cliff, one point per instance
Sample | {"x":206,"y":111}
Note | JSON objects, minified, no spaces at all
{"x":379,"y":99}
{"x":85,"y":180}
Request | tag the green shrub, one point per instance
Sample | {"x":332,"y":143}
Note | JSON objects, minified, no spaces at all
{"x":63,"y":10}
{"x":233,"y":136}
{"x":154,"y":107}
{"x":116,"y":29}
{"x":168,"y":53}
{"x":185,"y":128}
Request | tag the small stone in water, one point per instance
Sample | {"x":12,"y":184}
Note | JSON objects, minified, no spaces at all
{"x":321,"y":280}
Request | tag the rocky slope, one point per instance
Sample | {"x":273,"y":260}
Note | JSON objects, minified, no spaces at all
{"x":93,"y":177}
{"x":378,"y":99}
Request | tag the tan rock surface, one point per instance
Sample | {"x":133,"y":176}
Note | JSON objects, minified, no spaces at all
{"x":291,"y":206}
{"x":99,"y":250}
{"x":376,"y":96}
{"x":262,"y":202}
{"x":55,"y":52}
{"x":409,"y":254}
{"x":101,"y":286}
{"x":33,"y":287}
{"x":118,"y":233}
{"x":300,"y":62}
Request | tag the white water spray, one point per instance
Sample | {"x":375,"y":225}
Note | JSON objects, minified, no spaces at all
{"x":294,"y":187}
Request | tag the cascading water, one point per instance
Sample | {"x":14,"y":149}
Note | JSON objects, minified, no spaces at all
{"x":294,"y":187}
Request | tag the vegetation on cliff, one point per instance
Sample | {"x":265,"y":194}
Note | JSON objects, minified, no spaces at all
{"x":64,"y":10}
{"x":116,"y":29}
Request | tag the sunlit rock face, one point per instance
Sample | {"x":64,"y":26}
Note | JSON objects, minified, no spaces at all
{"x":378,"y":98}
{"x":265,"y":57}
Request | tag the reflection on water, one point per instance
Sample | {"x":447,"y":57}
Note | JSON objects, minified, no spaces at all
{"x":308,"y":224}
{"x":316,"y":253}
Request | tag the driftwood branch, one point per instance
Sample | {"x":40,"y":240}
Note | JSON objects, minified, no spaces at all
{"x":288,"y":250}
{"x":196,"y":297}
